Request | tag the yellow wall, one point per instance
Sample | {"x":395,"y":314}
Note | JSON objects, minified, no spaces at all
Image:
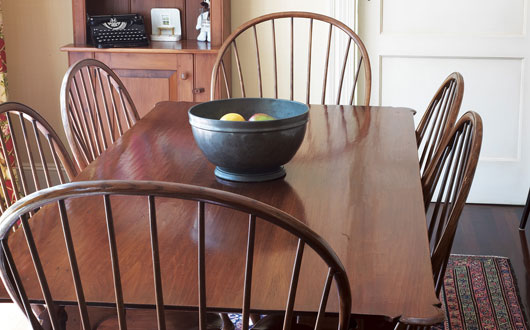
{"x":34,"y":31}
{"x":244,"y":10}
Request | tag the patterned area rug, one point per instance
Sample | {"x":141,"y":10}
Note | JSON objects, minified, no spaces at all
{"x":480,"y":292}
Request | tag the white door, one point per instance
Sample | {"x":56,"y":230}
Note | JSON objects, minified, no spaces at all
{"x":414,"y":44}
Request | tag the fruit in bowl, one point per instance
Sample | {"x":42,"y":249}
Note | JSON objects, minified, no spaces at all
{"x":249,"y":151}
{"x":261,"y":117}
{"x":233,"y":117}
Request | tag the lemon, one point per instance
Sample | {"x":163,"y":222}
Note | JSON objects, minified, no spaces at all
{"x":233,"y":117}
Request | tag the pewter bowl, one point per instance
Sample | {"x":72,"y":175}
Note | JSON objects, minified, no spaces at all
{"x":249,"y":151}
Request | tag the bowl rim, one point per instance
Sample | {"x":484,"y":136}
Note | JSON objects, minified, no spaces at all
{"x":217,"y":125}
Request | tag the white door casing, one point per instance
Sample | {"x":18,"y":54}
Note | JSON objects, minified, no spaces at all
{"x":414,"y":44}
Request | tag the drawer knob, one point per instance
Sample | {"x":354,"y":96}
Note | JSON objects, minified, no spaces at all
{"x":183,"y":76}
{"x":198,"y":90}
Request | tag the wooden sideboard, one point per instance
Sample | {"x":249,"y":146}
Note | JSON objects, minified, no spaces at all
{"x":176,"y":71}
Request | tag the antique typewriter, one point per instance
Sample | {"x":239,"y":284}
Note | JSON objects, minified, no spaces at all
{"x":107,"y":31}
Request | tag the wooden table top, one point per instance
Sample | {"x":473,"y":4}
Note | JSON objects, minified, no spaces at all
{"x":355,"y":181}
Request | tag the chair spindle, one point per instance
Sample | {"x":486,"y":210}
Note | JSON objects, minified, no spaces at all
{"x":343,"y":71}
{"x":248,"y":270}
{"x":73,"y":266}
{"x":310,"y":48}
{"x":105,"y":106}
{"x":260,"y":84}
{"x":56,"y":162}
{"x":294,"y":285}
{"x":239,"y":71}
{"x":41,"y":154}
{"x":30,"y":155}
{"x":50,"y":306}
{"x":159,"y":293}
{"x":97,"y":108}
{"x":114,"y":107}
{"x":90,"y":112}
{"x":358,"y":70}
{"x":20,"y":288}
{"x":118,"y":291}
{"x":291,"y":78}
{"x":326,"y":66}
{"x":21,"y":173}
{"x":274,"y":59}
{"x":324,"y":300}
{"x":201,"y":267}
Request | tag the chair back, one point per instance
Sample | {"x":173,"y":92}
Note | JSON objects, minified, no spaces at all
{"x":439,"y":118}
{"x":32,"y":156}
{"x":446,"y":183}
{"x":96,"y":109}
{"x":311,"y":36}
{"x":157,"y":195}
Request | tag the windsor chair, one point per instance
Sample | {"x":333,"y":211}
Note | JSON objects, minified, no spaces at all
{"x":27,"y":143}
{"x":96,"y":109}
{"x":446,"y":185}
{"x":439,"y":118}
{"x":161,"y":205}
{"x":313,"y":27}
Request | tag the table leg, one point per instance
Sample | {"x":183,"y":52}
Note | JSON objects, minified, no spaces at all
{"x":227,"y":323}
{"x":44,"y":318}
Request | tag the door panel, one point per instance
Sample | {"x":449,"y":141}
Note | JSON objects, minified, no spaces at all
{"x":413,"y":45}
{"x":453,"y":17}
{"x":147,"y":87}
{"x":500,"y":88}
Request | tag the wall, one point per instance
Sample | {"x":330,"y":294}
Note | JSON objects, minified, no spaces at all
{"x":34,"y":31}
{"x":244,"y":10}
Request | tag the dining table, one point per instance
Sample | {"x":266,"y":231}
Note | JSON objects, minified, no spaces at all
{"x":355,"y":181}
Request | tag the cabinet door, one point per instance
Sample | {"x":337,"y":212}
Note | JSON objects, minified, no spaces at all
{"x":203,"y":75}
{"x":151,"y":78}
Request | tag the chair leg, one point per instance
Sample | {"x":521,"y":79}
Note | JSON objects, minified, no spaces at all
{"x":526,"y":211}
{"x":227,"y":323}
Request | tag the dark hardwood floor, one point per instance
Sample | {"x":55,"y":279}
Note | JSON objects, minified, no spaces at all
{"x":493,"y":230}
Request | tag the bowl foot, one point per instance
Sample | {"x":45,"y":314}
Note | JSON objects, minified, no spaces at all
{"x":249,"y":177}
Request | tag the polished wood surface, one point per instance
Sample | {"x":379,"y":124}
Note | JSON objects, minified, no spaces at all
{"x":355,"y":58}
{"x":355,"y":181}
{"x":155,"y":47}
{"x":439,"y":118}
